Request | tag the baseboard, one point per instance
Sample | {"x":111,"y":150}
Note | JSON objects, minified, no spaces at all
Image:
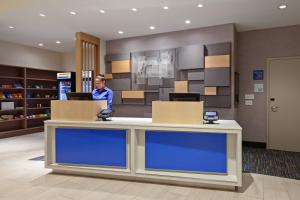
{"x":255,"y":144}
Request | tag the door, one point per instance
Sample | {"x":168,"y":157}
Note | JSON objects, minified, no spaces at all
{"x":284,"y":104}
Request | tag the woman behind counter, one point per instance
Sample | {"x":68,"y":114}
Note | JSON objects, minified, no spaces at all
{"x":102,"y":92}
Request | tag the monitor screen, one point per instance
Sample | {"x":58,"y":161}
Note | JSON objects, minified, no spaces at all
{"x":184,"y":96}
{"x":79,"y":96}
{"x":211,"y":113}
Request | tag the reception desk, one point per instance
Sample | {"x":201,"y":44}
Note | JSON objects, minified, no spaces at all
{"x":138,"y":149}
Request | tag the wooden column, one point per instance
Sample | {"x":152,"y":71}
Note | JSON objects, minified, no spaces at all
{"x":87,"y":61}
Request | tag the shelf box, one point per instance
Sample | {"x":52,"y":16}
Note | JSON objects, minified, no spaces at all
{"x":210,"y":91}
{"x":217,"y":61}
{"x":181,"y":87}
{"x":133,"y":94}
{"x":122,"y":66}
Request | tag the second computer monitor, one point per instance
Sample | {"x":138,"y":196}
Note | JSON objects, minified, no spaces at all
{"x":184,"y":96}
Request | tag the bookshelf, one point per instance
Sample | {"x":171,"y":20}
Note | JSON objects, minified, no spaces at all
{"x":31,"y":91}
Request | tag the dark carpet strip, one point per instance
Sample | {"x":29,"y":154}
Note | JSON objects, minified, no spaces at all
{"x":271,"y":162}
{"x":263,"y":161}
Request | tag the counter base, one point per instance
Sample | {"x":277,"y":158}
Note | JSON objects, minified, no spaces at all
{"x":205,"y":155}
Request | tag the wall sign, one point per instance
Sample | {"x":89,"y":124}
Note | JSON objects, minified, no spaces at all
{"x":258,"y":75}
{"x":259,"y":87}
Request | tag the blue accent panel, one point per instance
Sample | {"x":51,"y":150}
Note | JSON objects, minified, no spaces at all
{"x":91,"y":147}
{"x":186,"y":151}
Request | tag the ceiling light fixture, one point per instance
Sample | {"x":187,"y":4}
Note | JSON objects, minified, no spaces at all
{"x":11,"y":27}
{"x":121,"y":32}
{"x":42,"y":15}
{"x":166,"y":7}
{"x":283,"y":6}
{"x":41,"y":44}
{"x":102,"y":11}
{"x":134,"y":9}
{"x":187,"y":21}
{"x":200,"y":5}
{"x":73,"y":13}
{"x":152,"y":27}
{"x":58,"y":42}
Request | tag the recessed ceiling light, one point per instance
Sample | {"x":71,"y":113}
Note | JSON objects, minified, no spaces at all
{"x":41,"y":44}
{"x":11,"y":27}
{"x":134,"y":9}
{"x":73,"y":13}
{"x":187,"y":21}
{"x":200,"y":5}
{"x":121,"y":32}
{"x":102,"y":11}
{"x":58,"y":42}
{"x":152,"y":27}
{"x":283,"y":6}
{"x":166,"y":7}
{"x":42,"y":15}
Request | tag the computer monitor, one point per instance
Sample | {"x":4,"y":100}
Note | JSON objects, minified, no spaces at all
{"x":184,"y":96}
{"x":79,"y":96}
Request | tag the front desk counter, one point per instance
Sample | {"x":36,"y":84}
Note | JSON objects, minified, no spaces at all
{"x":137,"y":149}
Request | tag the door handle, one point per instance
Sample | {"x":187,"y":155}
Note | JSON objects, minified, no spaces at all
{"x":274,"y":108}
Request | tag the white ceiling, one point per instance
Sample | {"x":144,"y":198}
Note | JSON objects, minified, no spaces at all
{"x":59,"y":24}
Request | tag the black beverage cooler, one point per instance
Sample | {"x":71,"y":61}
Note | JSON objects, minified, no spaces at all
{"x":66,"y":82}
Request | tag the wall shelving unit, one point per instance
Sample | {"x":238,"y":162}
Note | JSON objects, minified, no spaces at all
{"x":36,"y":89}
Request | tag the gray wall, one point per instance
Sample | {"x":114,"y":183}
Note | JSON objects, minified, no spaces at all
{"x":69,"y":61}
{"x":254,"y":47}
{"x":21,"y":55}
{"x":209,"y":35}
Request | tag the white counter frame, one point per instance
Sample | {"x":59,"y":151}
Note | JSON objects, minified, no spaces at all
{"x":136,"y":152}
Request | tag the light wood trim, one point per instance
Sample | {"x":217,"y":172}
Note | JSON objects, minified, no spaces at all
{"x":210,"y":91}
{"x":79,"y":60}
{"x":177,"y":112}
{"x":122,"y":66}
{"x":181,"y":87}
{"x":217,"y":61}
{"x":80,"y":38}
{"x":87,"y":38}
{"x":133,"y":94}
{"x":76,"y":110}
{"x":108,"y":76}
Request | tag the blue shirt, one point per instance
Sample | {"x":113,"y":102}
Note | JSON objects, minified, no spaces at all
{"x":104,"y":94}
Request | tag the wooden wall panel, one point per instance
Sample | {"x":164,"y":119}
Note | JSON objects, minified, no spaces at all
{"x":218,"y":101}
{"x":196,"y":87}
{"x":217,"y":61}
{"x":190,"y":57}
{"x":218,"y":49}
{"x":122,"y":66}
{"x":210,"y":91}
{"x":217,"y":77}
{"x":133,"y":94}
{"x":181,"y":87}
{"x":164,"y":93}
{"x":117,"y":97}
{"x":195,"y":76}
{"x":108,"y":76}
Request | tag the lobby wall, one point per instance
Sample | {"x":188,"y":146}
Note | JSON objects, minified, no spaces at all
{"x":26,"y":56}
{"x":208,"y":35}
{"x":254,"y":48}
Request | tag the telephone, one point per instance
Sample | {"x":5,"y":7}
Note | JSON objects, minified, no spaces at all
{"x":105,"y":114}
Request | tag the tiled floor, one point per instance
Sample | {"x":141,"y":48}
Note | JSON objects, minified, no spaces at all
{"x":24,"y":179}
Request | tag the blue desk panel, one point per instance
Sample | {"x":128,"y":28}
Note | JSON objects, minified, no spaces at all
{"x":91,"y":147}
{"x":186,"y":151}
